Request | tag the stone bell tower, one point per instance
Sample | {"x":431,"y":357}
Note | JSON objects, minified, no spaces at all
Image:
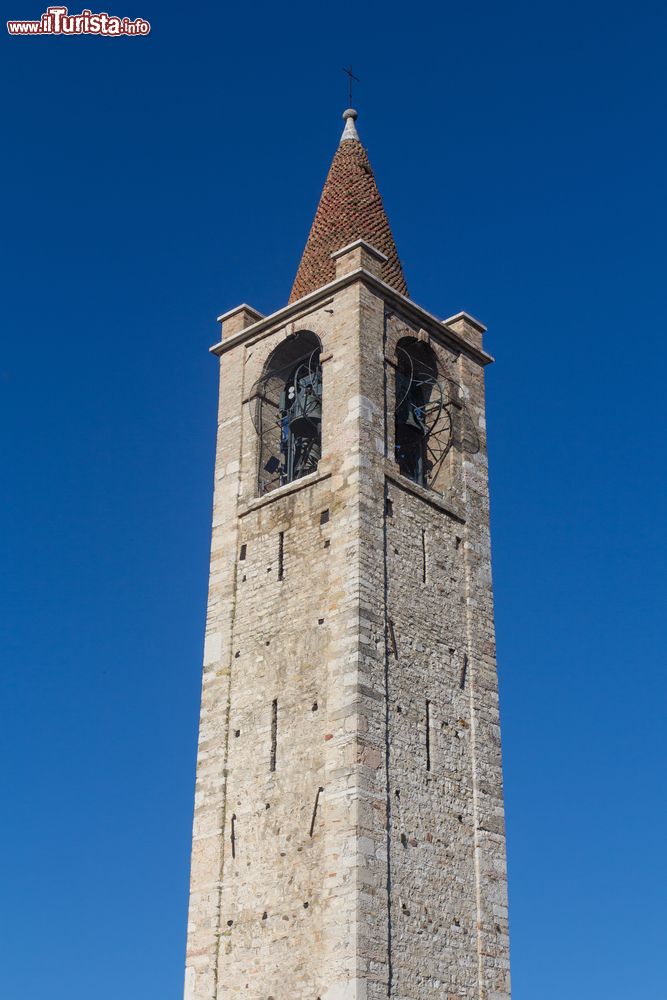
{"x":348,"y":838}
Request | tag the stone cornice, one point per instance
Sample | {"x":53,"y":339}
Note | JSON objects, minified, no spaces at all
{"x":468,"y":318}
{"x":364,"y":245}
{"x":233,"y":312}
{"x":400,"y":303}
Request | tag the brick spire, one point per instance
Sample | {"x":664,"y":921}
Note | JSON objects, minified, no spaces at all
{"x":350,"y":208}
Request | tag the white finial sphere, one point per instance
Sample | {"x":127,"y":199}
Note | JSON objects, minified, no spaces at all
{"x":350,"y":113}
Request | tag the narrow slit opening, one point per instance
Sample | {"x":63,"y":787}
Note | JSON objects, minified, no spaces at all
{"x":464,"y":671}
{"x":274,"y":733}
{"x":423,"y":555}
{"x":281,"y":555}
{"x":428,"y":735}
{"x":314,"y":816}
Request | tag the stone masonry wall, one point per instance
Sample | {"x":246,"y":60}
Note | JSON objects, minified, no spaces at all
{"x":342,"y":849}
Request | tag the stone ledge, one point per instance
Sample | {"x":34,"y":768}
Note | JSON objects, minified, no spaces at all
{"x":283,"y":491}
{"x":434,"y":499}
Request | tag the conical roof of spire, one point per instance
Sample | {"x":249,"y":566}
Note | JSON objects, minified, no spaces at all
{"x":350,"y":208}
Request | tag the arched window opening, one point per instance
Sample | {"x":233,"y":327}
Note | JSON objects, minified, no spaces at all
{"x":422,"y":422}
{"x":300,"y":417}
{"x":286,"y":405}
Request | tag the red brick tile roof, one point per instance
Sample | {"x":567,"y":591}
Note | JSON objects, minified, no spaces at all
{"x":350,"y":208}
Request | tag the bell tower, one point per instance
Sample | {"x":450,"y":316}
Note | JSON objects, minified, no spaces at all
{"x":348,"y":839}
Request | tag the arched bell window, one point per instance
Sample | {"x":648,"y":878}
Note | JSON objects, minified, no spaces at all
{"x":419,"y":411}
{"x":286,"y":405}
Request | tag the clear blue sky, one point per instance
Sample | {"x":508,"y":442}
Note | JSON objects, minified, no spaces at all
{"x":150,"y":184}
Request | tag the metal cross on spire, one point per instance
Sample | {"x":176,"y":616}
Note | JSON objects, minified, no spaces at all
{"x":351,"y":77}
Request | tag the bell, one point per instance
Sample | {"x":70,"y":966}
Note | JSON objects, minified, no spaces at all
{"x":411,"y":416}
{"x":415,"y":418}
{"x":304,"y":413}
